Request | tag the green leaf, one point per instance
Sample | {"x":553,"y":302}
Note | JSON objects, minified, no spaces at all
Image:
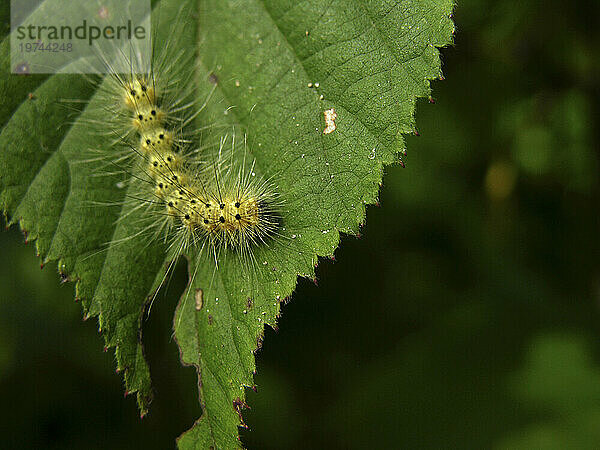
{"x":273,"y":68}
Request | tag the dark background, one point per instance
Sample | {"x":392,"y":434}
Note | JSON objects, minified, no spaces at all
{"x":465,"y":317}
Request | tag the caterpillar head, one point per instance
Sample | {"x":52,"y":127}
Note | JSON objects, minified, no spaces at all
{"x":138,"y":93}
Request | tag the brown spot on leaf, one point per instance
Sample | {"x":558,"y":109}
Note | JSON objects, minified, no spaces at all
{"x":330,"y":116}
{"x":199,"y":296}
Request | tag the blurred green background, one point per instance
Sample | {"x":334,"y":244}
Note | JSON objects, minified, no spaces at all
{"x":465,"y":317}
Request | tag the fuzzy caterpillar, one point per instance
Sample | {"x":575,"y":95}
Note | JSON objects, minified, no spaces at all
{"x":228,"y":214}
{"x":207,"y":201}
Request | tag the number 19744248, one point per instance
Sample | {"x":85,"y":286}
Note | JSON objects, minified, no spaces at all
{"x":54,"y":47}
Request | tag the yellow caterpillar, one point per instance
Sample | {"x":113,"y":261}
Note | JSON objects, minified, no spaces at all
{"x":229,"y":208}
